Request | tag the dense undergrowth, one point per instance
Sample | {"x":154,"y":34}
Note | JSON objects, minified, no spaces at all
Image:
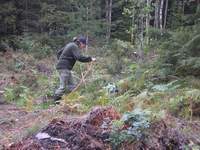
{"x":165,"y":80}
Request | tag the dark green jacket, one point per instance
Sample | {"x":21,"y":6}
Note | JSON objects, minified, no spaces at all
{"x":69,"y":56}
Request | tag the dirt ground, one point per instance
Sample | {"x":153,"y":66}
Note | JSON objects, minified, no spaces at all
{"x":18,"y":130}
{"x":87,"y":133}
{"x":16,"y":123}
{"x":75,"y":133}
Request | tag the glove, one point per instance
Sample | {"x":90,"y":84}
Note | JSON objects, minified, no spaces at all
{"x":94,"y":59}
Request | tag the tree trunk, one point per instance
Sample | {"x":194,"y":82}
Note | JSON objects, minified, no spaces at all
{"x":161,"y":14}
{"x":87,"y":13}
{"x":107,"y":3}
{"x":166,"y":10}
{"x":147,"y":24}
{"x":108,"y":18}
{"x":141,"y":38}
{"x":156,"y":18}
{"x":183,"y":11}
{"x":133,"y":26}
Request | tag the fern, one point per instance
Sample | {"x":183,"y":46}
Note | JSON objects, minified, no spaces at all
{"x":167,"y":87}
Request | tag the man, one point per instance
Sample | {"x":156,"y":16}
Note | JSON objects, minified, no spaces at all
{"x":66,"y":60}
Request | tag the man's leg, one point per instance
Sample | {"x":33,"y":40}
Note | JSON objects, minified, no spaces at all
{"x":63,"y":75}
{"x":71,"y":84}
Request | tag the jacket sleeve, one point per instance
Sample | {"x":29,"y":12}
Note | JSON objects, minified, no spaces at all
{"x":78,"y":56}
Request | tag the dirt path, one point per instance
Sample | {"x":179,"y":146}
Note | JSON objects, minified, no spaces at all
{"x":16,"y":123}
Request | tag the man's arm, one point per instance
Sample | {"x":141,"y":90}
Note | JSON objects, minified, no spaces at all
{"x":77,"y":55}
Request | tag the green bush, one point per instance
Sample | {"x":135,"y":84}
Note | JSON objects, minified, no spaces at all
{"x":181,"y":52}
{"x":131,"y":127}
{"x":171,"y":86}
{"x":18,"y":94}
{"x":26,"y":44}
{"x":188,"y":66}
{"x":41,"y":51}
{"x":117,"y":51}
{"x":184,"y":103}
{"x":9,"y":94}
{"x":47,"y":85}
{"x":38,"y":48}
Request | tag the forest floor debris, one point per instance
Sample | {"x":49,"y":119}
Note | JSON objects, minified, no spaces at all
{"x":169,"y":133}
{"x":81,"y":133}
{"x":87,"y":133}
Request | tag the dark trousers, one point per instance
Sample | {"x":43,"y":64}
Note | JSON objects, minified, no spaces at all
{"x":66,"y":82}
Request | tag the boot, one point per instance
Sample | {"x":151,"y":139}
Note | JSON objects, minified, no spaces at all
{"x":56,"y":98}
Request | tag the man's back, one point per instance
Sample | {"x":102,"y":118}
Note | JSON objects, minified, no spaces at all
{"x":70,"y":54}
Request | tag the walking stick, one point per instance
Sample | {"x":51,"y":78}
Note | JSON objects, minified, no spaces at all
{"x":83,"y":77}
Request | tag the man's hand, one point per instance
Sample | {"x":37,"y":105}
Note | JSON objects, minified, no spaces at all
{"x":94,"y":59}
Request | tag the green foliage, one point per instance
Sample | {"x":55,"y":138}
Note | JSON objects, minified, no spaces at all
{"x":24,"y":97}
{"x":26,"y":44}
{"x":137,"y":120}
{"x":138,"y":81}
{"x":9,"y":94}
{"x":44,"y":105}
{"x":103,"y":100}
{"x":50,"y":24}
{"x":30,"y":45}
{"x":133,"y":67}
{"x":167,"y":87}
{"x":181,"y":104}
{"x":193,"y":82}
{"x":47,"y":85}
{"x":18,"y":94}
{"x":117,"y":52}
{"x":89,"y":95}
{"x":136,"y":10}
{"x":42,"y":51}
{"x":9,"y":10}
{"x":131,"y":127}
{"x":121,"y":101}
{"x":189,"y":66}
{"x":193,"y":94}
{"x":181,"y":53}
{"x":117,"y":138}
{"x":71,"y":97}
{"x":155,"y":33}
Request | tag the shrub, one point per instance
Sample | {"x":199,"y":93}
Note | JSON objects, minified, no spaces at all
{"x":131,"y":127}
{"x":19,"y":94}
{"x":38,"y":48}
{"x":186,"y":104}
{"x":181,"y":52}
{"x":9,"y":94}
{"x":116,"y":52}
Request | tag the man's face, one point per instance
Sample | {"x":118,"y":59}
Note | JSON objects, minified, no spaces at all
{"x":82,"y":46}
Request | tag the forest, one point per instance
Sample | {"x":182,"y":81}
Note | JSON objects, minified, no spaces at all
{"x":135,"y":67}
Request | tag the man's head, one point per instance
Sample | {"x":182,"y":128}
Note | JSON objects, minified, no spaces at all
{"x":82,"y":41}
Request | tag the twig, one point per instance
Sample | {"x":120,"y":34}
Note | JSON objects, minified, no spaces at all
{"x":83,"y":77}
{"x":191,"y":111}
{"x":57,"y":139}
